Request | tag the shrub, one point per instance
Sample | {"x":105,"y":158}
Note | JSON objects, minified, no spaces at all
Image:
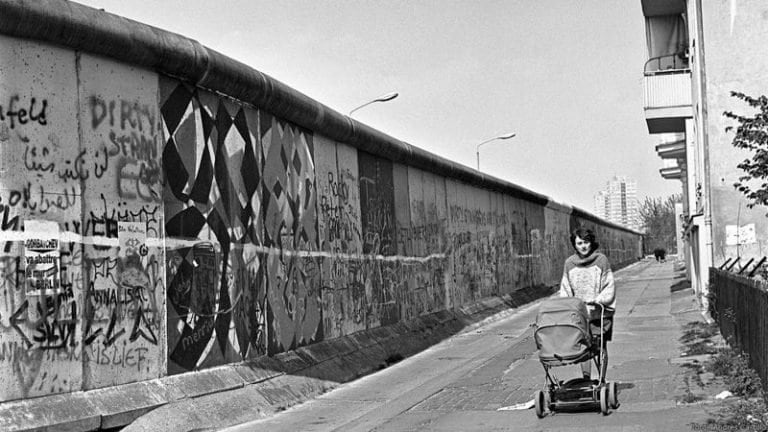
{"x":742,"y":414}
{"x":741,"y":379}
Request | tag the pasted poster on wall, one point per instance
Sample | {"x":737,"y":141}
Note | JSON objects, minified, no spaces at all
{"x":41,"y":256}
{"x":132,"y":238}
{"x":740,"y":235}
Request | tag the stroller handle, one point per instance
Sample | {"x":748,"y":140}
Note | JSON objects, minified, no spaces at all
{"x":602,"y":324}
{"x":603,"y":307}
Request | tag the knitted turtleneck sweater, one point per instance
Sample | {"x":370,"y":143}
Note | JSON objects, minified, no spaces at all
{"x":589,"y":278}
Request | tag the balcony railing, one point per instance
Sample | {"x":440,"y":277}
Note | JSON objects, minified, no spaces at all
{"x":667,"y":81}
{"x":667,"y":63}
{"x":668,"y":90}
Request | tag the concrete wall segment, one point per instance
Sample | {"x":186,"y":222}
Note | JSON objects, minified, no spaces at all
{"x":121,"y":143}
{"x":41,"y":290}
{"x":340,"y":232}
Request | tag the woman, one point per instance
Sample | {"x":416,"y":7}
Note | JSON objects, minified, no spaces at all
{"x":587,"y":275}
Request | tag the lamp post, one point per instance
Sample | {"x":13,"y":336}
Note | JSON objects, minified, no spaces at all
{"x":500,"y":137}
{"x":382,"y":98}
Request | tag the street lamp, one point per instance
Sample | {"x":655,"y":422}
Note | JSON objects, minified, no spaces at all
{"x":500,"y":137}
{"x":382,"y":98}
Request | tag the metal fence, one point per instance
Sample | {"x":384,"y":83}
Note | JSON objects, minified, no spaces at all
{"x":739,"y":304}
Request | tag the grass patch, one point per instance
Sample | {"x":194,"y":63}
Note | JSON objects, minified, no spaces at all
{"x":689,"y":396}
{"x":748,"y":411}
{"x":700,"y":347}
{"x":697,"y":338}
{"x":742,"y":414}
{"x":698,"y":330}
{"x":741,"y":379}
{"x":695,"y":370}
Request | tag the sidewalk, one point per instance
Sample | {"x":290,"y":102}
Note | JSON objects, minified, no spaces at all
{"x":646,"y":360}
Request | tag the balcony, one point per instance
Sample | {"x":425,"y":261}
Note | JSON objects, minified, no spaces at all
{"x":667,"y":99}
{"x":673,"y":170}
{"x":662,"y":7}
{"x":672,"y":150}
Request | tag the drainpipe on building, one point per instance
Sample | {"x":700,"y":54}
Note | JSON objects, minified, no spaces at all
{"x":706,"y":251}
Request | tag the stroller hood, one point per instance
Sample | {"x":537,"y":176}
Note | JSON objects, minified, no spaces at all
{"x":562,"y":331}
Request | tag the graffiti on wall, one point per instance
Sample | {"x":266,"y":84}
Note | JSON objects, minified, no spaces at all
{"x":377,"y":204}
{"x":123,"y":136}
{"x":422,"y":223}
{"x":117,"y":162}
{"x":494,"y":243}
{"x":40,"y":303}
{"x":290,"y":222}
{"x":377,"y":217}
{"x":343,"y":292}
{"x":79,"y":282}
{"x":243,"y":183}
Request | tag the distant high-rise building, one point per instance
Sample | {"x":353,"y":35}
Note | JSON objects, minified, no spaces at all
{"x":601,"y":204}
{"x":618,"y":202}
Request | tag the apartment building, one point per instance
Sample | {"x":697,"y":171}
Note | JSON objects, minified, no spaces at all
{"x":618,"y":202}
{"x":699,"y":51}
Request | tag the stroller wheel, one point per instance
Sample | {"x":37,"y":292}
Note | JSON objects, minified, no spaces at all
{"x":604,"y":405}
{"x":540,"y":403}
{"x":613,"y":395}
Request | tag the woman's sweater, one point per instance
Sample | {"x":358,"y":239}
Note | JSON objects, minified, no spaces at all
{"x":589,"y":278}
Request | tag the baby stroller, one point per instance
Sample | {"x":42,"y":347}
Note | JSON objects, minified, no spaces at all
{"x":564,"y":337}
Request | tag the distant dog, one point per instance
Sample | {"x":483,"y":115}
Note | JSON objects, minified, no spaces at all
{"x":660,"y":254}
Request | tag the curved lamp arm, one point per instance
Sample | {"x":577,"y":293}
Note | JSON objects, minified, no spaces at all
{"x":382,"y":98}
{"x":500,"y":137}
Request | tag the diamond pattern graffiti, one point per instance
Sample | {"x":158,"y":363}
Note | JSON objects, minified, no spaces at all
{"x":290,"y":222}
{"x":243,"y":217}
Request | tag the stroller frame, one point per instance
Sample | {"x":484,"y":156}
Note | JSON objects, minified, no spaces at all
{"x":580,"y":393}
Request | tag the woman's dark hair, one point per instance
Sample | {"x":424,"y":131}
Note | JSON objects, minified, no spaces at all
{"x":585,"y":234}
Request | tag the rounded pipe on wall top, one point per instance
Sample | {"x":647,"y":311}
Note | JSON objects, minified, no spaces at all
{"x":90,"y":30}
{"x":577,"y":212}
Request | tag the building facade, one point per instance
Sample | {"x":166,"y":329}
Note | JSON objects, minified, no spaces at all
{"x":699,"y":52}
{"x":601,"y":203}
{"x":618,"y":202}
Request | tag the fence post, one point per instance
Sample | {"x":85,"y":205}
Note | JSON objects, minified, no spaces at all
{"x":746,"y":265}
{"x":733,"y":263}
{"x":724,"y":264}
{"x":756,"y":267}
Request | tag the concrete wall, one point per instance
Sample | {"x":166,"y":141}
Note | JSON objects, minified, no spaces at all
{"x":153,"y":226}
{"x":731,"y":31}
{"x":83,"y":297}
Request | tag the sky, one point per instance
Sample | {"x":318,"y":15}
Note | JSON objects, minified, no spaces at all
{"x":565,"y":76}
